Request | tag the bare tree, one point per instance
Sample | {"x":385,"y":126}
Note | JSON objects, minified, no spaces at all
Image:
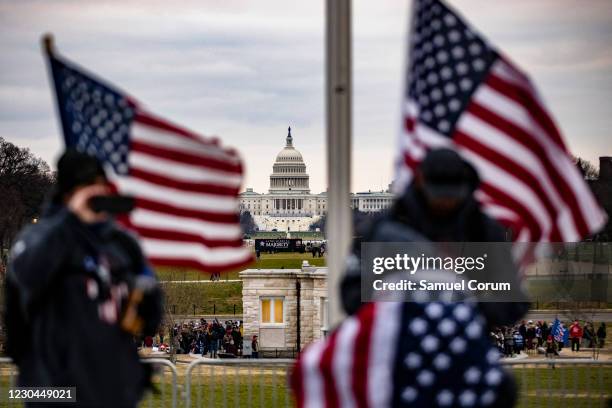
{"x":589,"y":170}
{"x":24,"y":181}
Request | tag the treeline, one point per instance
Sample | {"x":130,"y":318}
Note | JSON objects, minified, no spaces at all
{"x":25,"y":180}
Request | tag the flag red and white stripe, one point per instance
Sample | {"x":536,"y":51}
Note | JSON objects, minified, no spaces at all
{"x":185,"y":185}
{"x":352,"y":367}
{"x":463,"y":95}
{"x":186,"y":189}
{"x":529,"y":180}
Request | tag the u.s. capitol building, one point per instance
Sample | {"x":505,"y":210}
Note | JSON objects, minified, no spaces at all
{"x":289,"y":205}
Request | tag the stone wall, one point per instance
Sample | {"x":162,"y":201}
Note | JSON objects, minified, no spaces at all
{"x":260,"y":283}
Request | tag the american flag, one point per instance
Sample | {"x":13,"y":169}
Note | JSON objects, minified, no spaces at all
{"x":464,"y":94}
{"x":185,"y":185}
{"x":402,"y":354}
{"x":558,"y":331}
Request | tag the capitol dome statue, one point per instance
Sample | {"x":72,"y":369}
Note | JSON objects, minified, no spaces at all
{"x":289,"y":170}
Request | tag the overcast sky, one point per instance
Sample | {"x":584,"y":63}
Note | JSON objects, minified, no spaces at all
{"x":245,"y":70}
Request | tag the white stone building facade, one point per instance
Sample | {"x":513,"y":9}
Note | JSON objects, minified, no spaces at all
{"x":289,"y":204}
{"x":270,"y":306}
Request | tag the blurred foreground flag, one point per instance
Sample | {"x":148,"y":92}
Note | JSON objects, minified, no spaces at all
{"x":464,"y":94}
{"x":394,"y":354}
{"x":185,"y":185}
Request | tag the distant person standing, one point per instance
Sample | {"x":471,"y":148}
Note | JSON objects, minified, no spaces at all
{"x":518,"y":342}
{"x":551,"y":346}
{"x":523,"y":329}
{"x":531,"y":334}
{"x":601,"y":335}
{"x":538,"y":334}
{"x":255,"y":347}
{"x":575,"y":334}
{"x":508,"y":343}
{"x":590,"y":336}
{"x":315,"y":251}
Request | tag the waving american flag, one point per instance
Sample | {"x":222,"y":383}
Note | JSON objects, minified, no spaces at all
{"x":185,"y":185}
{"x":464,"y":94}
{"x":393,"y":354}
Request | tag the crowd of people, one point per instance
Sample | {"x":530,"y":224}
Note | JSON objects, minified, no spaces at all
{"x":208,"y":338}
{"x":527,"y":336}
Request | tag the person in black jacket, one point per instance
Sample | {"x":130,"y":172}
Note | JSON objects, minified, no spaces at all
{"x":601,"y":335}
{"x":71,"y":311}
{"x":439,"y":206}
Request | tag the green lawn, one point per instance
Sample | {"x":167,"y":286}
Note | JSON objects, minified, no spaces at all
{"x":219,"y":297}
{"x":208,"y":298}
{"x":574,"y":387}
{"x":584,"y":386}
{"x":260,"y":390}
{"x":285,"y":260}
{"x":539,"y":387}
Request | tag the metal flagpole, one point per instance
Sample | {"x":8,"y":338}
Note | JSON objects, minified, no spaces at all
{"x":338,"y":110}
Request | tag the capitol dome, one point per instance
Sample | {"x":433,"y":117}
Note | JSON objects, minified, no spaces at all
{"x":289,"y":170}
{"x":289,"y":153}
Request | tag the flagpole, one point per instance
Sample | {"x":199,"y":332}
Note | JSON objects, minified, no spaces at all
{"x":48,"y":44}
{"x":338,"y":116}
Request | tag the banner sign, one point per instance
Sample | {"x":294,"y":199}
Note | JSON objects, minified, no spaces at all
{"x":279,"y":245}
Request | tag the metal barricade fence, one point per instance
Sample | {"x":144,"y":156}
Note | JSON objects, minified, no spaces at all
{"x":238,"y":383}
{"x":563,"y":383}
{"x":161,"y":396}
{"x":264,"y":383}
{"x":164,"y":394}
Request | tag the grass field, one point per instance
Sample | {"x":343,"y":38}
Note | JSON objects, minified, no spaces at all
{"x":539,"y":387}
{"x":209,"y":298}
{"x":544,"y":291}
{"x":242,"y":387}
{"x":566,"y":387}
{"x":219,"y":297}
{"x":284,"y":260}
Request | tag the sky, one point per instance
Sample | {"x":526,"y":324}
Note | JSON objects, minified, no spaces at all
{"x":246,"y":70}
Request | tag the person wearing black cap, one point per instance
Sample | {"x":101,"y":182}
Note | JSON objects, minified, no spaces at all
{"x":70,"y":314}
{"x":439,"y":206}
{"x":440,"y":203}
